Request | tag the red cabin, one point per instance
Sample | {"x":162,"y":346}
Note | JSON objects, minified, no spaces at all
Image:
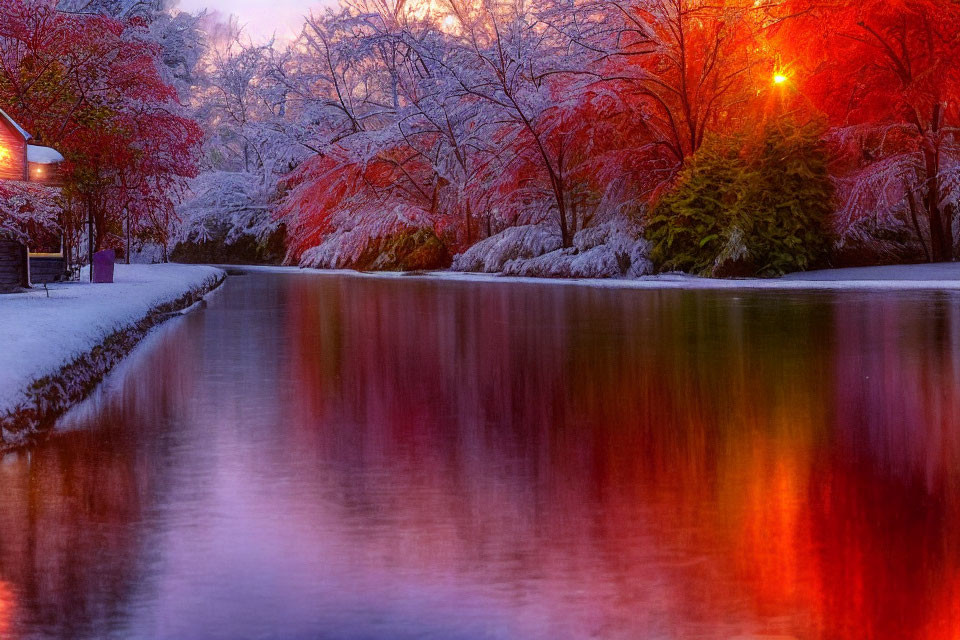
{"x":21,"y":162}
{"x":13,"y":149}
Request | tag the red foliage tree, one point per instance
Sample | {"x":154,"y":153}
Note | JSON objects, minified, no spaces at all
{"x":688,"y":66}
{"x":91,"y":87}
{"x":887,"y":74}
{"x":360,"y":198}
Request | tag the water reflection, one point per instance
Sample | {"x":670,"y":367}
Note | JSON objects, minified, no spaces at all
{"x":7,"y":605}
{"x":409,"y":459}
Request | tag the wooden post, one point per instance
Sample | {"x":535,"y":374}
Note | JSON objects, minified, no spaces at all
{"x":90,"y":237}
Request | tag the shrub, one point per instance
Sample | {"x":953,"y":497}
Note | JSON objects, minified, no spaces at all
{"x":491,"y":254}
{"x":747,"y":206}
{"x":411,"y":249}
{"x":244,"y":249}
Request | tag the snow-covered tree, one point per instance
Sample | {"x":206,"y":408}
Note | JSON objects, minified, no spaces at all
{"x":26,"y":209}
{"x":247,"y":150}
{"x":473,"y":115}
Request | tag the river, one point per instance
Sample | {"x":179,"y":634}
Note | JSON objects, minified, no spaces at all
{"x":327,"y":456}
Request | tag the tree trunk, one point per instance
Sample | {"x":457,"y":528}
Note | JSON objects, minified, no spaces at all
{"x":940,"y":236}
{"x":565,"y":239}
{"x":950,"y":211}
{"x":466,"y":219}
{"x":916,"y":224}
{"x":939,"y":243}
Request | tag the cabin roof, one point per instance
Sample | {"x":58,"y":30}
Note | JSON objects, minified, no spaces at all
{"x":23,"y":132}
{"x":43,"y":155}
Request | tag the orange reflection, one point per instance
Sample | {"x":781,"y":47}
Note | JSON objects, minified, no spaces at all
{"x":794,"y":494}
{"x":542,"y":462}
{"x":7,"y":608}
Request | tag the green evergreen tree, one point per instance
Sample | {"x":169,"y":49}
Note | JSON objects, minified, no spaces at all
{"x":747,"y":206}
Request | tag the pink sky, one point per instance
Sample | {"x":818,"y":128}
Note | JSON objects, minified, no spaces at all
{"x":262,"y":17}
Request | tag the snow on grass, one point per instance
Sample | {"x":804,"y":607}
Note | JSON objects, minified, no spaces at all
{"x":41,"y":334}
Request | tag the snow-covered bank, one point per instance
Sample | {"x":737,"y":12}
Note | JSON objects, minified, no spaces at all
{"x":54,"y":348}
{"x":938,"y":272}
{"x":922,"y":277}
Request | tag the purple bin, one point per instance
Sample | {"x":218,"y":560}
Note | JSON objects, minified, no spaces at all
{"x":103,"y":265}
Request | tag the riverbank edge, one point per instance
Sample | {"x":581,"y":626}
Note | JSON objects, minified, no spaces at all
{"x":51,"y":396}
{"x":886,"y":278}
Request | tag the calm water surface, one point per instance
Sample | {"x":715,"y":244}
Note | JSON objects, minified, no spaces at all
{"x":336,"y":457}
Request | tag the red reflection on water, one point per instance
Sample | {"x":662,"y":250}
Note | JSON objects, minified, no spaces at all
{"x":7,"y":608}
{"x":420,"y":460}
{"x":782,"y":487}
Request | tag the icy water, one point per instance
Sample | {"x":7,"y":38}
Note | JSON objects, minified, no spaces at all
{"x":319,"y":456}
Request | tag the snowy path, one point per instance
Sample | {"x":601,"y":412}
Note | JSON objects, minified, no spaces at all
{"x":40,"y":334}
{"x":943,"y":276}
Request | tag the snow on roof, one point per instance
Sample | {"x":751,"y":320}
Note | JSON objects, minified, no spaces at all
{"x":21,"y":130}
{"x":43,"y":155}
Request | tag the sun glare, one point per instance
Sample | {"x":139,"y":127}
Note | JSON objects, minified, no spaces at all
{"x":779,"y":78}
{"x":450,"y":21}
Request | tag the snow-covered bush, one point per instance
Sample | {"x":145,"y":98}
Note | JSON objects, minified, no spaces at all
{"x":884,"y":214}
{"x":598,"y":262}
{"x":625,"y":238}
{"x":335,"y":252}
{"x":27,"y":208}
{"x":344,"y":248}
{"x":887,"y":238}
{"x":490,"y":255}
{"x":408,"y":249}
{"x":613,"y":249}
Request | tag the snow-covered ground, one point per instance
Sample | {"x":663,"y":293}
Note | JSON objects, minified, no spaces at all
{"x":40,"y":334}
{"x":943,"y":276}
{"x":939,"y":272}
